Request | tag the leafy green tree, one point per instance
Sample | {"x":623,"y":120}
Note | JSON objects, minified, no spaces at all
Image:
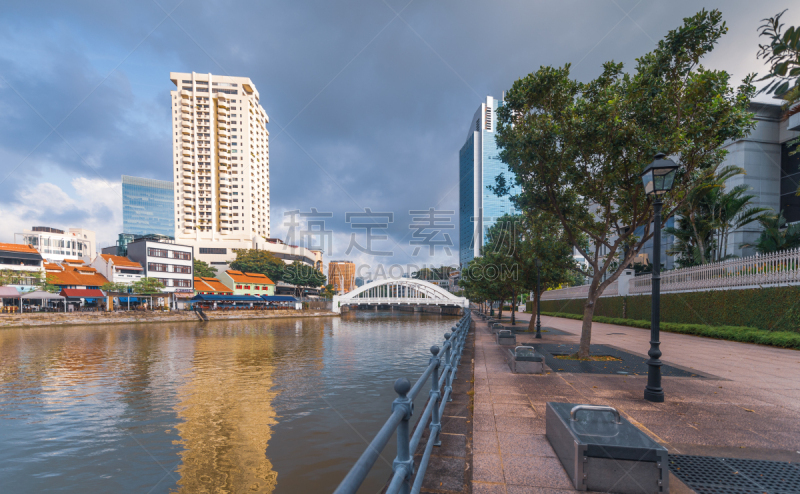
{"x":782,"y":54}
{"x":259,"y":261}
{"x":302,"y":275}
{"x":523,"y":240}
{"x":328,"y":292}
{"x":116,"y":287}
{"x":577,"y":149}
{"x":776,"y":236}
{"x":707,"y":217}
{"x":203,"y":270}
{"x":147,"y":286}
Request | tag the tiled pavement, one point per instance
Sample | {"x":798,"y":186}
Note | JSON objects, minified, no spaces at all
{"x":749,"y":410}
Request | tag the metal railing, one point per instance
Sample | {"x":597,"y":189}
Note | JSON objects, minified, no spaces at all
{"x":778,"y":268}
{"x":403,"y":408}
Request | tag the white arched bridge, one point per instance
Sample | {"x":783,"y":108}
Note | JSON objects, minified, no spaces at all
{"x":405,"y":291}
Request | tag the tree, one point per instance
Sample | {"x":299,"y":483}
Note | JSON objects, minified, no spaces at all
{"x":203,"y":270}
{"x":775,"y":236}
{"x":302,"y":275}
{"x":708,"y":216}
{"x":782,"y":54}
{"x":524,"y":239}
{"x":577,"y":149}
{"x":147,"y":286}
{"x":259,"y":261}
{"x":116,"y":287}
{"x":328,"y":292}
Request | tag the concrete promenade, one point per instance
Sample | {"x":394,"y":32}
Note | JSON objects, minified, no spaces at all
{"x":747,"y":406}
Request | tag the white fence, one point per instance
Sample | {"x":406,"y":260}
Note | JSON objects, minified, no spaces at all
{"x":779,"y":268}
{"x":776,"y":269}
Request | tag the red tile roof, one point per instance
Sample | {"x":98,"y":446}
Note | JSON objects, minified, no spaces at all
{"x":18,"y":248}
{"x":78,"y":276}
{"x":52,"y":266}
{"x":253,"y":278}
{"x":121,"y":261}
{"x":81,"y":293}
{"x":211,"y":286}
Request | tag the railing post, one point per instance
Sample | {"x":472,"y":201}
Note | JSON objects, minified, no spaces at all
{"x":451,"y":356}
{"x":403,"y":464}
{"x":436,"y":420}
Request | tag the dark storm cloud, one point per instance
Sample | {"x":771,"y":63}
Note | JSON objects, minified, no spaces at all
{"x":367,"y":108}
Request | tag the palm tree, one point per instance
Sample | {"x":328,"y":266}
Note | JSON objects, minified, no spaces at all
{"x":774,"y":237}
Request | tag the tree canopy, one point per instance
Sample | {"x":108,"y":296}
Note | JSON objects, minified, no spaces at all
{"x":259,"y":261}
{"x":576,"y":149}
{"x":302,"y":275}
{"x":203,"y":270}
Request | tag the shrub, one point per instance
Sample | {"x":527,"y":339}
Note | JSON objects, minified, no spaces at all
{"x":745,"y":334}
{"x":773,"y":309}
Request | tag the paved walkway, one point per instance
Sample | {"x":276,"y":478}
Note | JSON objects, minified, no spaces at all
{"x":748,"y":408}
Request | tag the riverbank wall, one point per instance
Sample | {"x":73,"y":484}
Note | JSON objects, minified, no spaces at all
{"x":135,"y":317}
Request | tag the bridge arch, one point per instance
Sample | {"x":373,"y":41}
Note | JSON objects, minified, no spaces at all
{"x":403,"y":291}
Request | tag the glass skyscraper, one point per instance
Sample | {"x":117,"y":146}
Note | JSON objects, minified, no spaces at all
{"x":148,"y":206}
{"x":479,"y":164}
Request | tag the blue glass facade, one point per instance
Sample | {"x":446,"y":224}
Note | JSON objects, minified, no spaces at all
{"x":148,"y":206}
{"x":490,"y":206}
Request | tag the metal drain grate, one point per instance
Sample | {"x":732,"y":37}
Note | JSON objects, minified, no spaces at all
{"x":711,"y":475}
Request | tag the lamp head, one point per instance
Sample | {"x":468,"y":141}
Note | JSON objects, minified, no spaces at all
{"x":659,"y":176}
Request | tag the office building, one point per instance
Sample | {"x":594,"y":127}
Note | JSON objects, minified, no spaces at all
{"x":221,"y":164}
{"x":342,"y":275}
{"x":479,"y":164}
{"x":168,"y":261}
{"x":57,"y":245}
{"x":148,"y":206}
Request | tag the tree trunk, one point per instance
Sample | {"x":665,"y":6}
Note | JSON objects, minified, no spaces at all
{"x":500,"y":312}
{"x":532,"y":323}
{"x":586,"y":328}
{"x":513,"y":310}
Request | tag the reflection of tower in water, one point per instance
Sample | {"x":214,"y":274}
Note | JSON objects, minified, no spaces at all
{"x":227,"y":414}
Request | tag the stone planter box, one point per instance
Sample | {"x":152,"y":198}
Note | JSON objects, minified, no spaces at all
{"x":506,"y":337}
{"x":603,"y":452}
{"x":525,"y":360}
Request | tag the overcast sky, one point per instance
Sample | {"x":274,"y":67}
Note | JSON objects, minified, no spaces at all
{"x":369,"y":100}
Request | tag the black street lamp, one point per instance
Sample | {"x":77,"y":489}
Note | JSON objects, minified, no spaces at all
{"x":658,"y":179}
{"x":538,"y":299}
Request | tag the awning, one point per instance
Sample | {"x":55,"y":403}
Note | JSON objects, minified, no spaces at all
{"x":82,"y":293}
{"x":39,"y":295}
{"x":226,"y":298}
{"x":279,"y":298}
{"x":8,"y":292}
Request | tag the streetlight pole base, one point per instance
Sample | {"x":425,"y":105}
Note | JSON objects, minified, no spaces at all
{"x":655,"y":396}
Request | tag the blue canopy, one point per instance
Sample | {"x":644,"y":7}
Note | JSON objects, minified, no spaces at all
{"x":279,"y":298}
{"x":226,"y":298}
{"x":128,"y":299}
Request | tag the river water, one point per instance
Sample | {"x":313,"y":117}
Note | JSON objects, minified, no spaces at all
{"x":257,"y":406}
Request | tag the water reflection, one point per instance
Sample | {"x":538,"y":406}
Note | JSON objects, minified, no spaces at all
{"x":243,"y":406}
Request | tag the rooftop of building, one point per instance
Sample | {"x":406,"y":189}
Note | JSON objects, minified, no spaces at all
{"x":210,"y":285}
{"x":76,"y":276}
{"x":24,"y":248}
{"x":255,"y":278}
{"x":121,"y":261}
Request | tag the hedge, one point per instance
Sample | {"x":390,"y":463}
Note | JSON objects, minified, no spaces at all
{"x":783,"y":339}
{"x":772,"y":309}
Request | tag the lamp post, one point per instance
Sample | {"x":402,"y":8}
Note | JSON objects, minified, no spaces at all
{"x":538,"y":299}
{"x":658,"y":179}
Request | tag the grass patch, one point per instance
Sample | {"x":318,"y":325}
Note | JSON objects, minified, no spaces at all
{"x":744,"y":334}
{"x":592,"y":358}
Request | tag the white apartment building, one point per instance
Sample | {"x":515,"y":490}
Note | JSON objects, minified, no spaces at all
{"x":171,"y":263}
{"x":221,"y":164}
{"x":57,"y":245}
{"x":118,"y":269}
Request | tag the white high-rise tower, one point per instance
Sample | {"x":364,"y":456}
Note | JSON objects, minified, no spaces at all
{"x":221,"y":163}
